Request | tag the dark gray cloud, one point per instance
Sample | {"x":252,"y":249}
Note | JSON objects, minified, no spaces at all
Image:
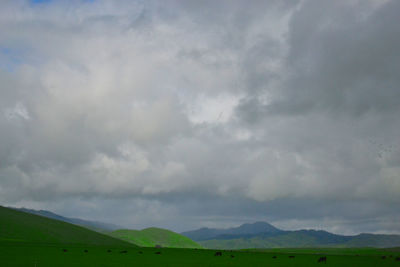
{"x":340,"y":60}
{"x":192,"y":114}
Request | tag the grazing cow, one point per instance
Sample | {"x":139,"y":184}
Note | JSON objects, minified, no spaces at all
{"x":86,"y":251}
{"x":274,"y":257}
{"x":291,"y":257}
{"x":158,"y":252}
{"x":397,"y":259}
{"x":64,"y":250}
{"x":322,"y":259}
{"x":123,"y":251}
{"x":218,"y":253}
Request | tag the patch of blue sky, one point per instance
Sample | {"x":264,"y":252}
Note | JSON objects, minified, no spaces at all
{"x":10,"y":58}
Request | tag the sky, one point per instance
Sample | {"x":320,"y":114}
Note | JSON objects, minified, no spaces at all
{"x":187,"y":114}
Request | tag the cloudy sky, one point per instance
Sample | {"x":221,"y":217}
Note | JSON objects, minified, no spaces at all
{"x":184,"y":114}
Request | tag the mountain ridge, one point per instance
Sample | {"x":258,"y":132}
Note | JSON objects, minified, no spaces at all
{"x":255,"y":237}
{"x":244,"y":229}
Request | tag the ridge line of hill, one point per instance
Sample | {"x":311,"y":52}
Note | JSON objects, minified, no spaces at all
{"x":93,"y":225}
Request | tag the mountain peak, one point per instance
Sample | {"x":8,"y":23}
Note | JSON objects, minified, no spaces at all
{"x":245,"y":229}
{"x":254,"y":228}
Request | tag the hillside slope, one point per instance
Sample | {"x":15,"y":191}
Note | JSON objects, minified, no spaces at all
{"x":93,"y":225}
{"x":17,"y":226}
{"x":151,"y":237}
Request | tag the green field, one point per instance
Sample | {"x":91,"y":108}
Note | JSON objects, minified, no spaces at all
{"x":150,"y":237}
{"x":31,"y":254}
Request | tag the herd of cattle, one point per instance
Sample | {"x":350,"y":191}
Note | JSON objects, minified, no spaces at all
{"x":219,"y":253}
{"x":321,"y":259}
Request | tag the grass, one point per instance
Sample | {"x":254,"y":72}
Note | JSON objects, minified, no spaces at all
{"x":151,"y":237}
{"x":32,"y":254}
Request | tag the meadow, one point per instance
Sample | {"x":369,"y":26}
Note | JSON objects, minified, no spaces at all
{"x":13,"y":253}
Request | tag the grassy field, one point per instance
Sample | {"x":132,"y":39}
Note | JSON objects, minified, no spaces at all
{"x":150,"y":237}
{"x":36,"y":254}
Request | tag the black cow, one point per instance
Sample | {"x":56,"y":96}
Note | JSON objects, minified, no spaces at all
{"x":232,"y":256}
{"x":397,"y":259}
{"x":140,"y":252}
{"x":274,"y":257}
{"x":109,"y":250}
{"x":218,"y":253}
{"x":86,"y":251}
{"x":158,"y":252}
{"x":322,"y":259}
{"x":64,"y":250}
{"x":123,"y":251}
{"x":291,"y":257}
{"x":383,"y":257}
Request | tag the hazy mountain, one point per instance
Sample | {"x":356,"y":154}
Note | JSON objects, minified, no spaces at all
{"x":264,"y":235}
{"x":98,"y":226}
{"x":246,"y":229}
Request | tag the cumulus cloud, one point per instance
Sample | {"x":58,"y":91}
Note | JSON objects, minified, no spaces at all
{"x":209,"y":113}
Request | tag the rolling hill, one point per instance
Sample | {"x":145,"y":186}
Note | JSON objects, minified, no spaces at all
{"x":151,"y":237}
{"x":257,"y":236}
{"x":18,"y":226}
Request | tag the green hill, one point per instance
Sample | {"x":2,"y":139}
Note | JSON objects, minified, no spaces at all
{"x":151,"y":237}
{"x":17,"y":226}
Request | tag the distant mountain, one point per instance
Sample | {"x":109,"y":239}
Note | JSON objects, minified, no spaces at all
{"x":18,"y":226}
{"x":246,"y":229}
{"x":94,"y":225}
{"x":264,"y":235}
{"x":150,"y":237}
